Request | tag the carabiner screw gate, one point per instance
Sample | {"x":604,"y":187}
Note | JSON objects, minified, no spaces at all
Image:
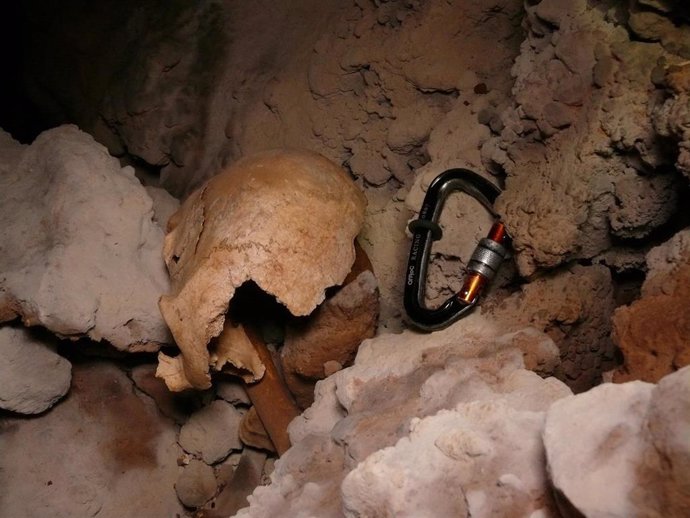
{"x":483,"y":265}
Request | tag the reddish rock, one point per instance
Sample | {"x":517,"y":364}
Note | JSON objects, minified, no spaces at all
{"x":653,"y":332}
{"x":332,"y":334}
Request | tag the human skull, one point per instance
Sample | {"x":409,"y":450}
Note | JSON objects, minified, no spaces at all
{"x":283,"y":219}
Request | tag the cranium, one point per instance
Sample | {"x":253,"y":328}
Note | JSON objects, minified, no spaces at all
{"x":283,"y":219}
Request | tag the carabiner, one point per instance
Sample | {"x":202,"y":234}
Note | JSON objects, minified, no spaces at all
{"x":483,"y":265}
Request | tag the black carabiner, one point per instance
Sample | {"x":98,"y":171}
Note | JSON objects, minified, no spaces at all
{"x":482,"y":267}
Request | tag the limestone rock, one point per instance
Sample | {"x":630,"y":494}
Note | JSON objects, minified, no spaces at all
{"x":11,"y":152}
{"x":196,"y":484}
{"x":81,"y":256}
{"x":212,"y":432}
{"x":34,"y":377}
{"x":593,"y":472}
{"x":672,"y":118}
{"x":573,"y":306}
{"x":664,"y":471}
{"x":622,"y":450}
{"x":399,"y":396}
{"x":653,"y":331}
{"x":164,"y":205}
{"x":461,"y":462}
{"x":249,"y":223}
{"x":104,"y":451}
{"x":572,"y":191}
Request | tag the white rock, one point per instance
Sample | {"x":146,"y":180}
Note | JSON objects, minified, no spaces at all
{"x":483,"y":459}
{"x":212,"y":432}
{"x":623,"y":450}
{"x":422,"y":425}
{"x":593,"y":442}
{"x":80,"y":254}
{"x":196,"y":484}
{"x":664,"y":472}
{"x":164,"y":204}
{"x":34,"y":377}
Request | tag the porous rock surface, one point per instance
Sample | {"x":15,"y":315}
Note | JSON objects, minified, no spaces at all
{"x":590,"y":128}
{"x":82,"y":255}
{"x":653,"y":331}
{"x":380,"y":87}
{"x":104,"y":451}
{"x":34,"y":376}
{"x":622,"y":450}
{"x":581,"y":144}
{"x":573,"y":306}
{"x":417,"y":412}
{"x":283,"y":219}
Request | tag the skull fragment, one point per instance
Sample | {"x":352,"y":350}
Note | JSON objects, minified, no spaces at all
{"x":285,"y":220}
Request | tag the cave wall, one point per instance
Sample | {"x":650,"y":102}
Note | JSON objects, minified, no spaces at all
{"x":579,"y":109}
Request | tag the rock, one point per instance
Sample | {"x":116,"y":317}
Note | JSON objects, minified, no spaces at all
{"x":196,"y":484}
{"x":672,"y":118}
{"x":11,"y":152}
{"x":104,"y":451}
{"x":164,"y":205}
{"x":643,"y":204}
{"x":553,"y":11}
{"x":177,"y":407}
{"x":212,"y":432}
{"x":652,"y":332}
{"x":663,"y":486}
{"x":593,"y":473}
{"x":649,"y":25}
{"x":573,"y":306}
{"x":395,"y":405}
{"x":246,"y":477}
{"x":233,"y":392}
{"x":621,"y":450}
{"x":571,"y":192}
{"x":461,"y":462}
{"x":332,"y":333}
{"x":34,"y":377}
{"x":225,"y":470}
{"x":253,"y":433}
{"x":271,"y":241}
{"x":96,"y":269}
